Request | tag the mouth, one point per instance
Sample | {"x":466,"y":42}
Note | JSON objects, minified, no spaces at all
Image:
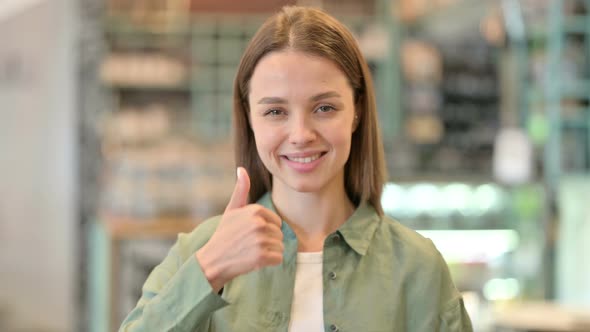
{"x":304,"y":159}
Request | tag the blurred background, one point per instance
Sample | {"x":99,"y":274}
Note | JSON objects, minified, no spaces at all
{"x":115,"y":136}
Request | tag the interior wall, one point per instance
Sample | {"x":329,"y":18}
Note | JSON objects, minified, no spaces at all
{"x":38,"y":166}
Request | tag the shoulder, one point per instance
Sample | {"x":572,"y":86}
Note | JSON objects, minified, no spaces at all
{"x":408,"y":242}
{"x":407,"y":263}
{"x":412,"y":253}
{"x":422,"y":265}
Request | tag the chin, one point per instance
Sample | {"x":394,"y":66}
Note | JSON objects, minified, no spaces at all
{"x":304,"y":187}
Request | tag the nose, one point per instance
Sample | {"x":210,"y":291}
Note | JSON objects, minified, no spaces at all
{"x":301,"y":131}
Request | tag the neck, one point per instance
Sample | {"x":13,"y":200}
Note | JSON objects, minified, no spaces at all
{"x":312,"y":215}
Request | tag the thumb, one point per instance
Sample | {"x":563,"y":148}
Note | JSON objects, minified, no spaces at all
{"x":239,"y":197}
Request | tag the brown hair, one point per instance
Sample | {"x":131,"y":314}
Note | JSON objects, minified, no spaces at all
{"x":313,"y":31}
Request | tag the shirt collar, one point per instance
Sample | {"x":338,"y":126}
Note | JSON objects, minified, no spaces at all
{"x":357,"y":231}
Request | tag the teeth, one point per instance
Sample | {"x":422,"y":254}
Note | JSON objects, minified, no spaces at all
{"x":306,"y":159}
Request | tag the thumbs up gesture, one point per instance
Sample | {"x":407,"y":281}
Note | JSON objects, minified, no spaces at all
{"x":247,"y":238}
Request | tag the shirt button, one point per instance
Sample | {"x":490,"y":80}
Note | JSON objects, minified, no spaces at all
{"x":336,"y":238}
{"x":332,"y":275}
{"x":334,"y":328}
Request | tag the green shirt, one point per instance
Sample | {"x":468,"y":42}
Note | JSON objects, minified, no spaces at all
{"x":378,"y":276}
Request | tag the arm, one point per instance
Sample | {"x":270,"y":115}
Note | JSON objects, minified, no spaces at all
{"x":438,"y":302}
{"x":176,"y":296}
{"x":181,"y":293}
{"x":453,"y":316}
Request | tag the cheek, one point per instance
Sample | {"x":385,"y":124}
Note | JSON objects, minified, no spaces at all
{"x":264,"y":140}
{"x":339,"y":137}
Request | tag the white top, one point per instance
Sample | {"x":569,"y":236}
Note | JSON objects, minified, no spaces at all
{"x":307,"y":311}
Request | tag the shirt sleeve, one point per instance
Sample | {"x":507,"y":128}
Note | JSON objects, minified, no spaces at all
{"x":176,"y":296}
{"x":455,"y":318}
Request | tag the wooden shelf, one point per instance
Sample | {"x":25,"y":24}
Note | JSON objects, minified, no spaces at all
{"x":108,"y":234}
{"x":542,"y":316}
{"x":180,"y":87}
{"x":122,"y":228}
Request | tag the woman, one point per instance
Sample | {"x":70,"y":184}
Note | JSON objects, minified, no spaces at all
{"x":303,"y":244}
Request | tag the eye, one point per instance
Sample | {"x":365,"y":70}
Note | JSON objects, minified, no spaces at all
{"x":274,"y":112}
{"x":325,"y":109}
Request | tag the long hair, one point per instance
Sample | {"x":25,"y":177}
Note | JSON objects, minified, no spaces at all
{"x":315,"y":32}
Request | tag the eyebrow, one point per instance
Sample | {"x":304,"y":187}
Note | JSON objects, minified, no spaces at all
{"x":279,"y":100}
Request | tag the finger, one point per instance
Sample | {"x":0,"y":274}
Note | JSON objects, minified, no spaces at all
{"x":267,"y":256}
{"x":266,"y":236}
{"x":267,"y":214}
{"x":263,"y":230}
{"x":274,"y":231}
{"x":276,"y":246}
{"x":271,"y":258}
{"x":239,"y":197}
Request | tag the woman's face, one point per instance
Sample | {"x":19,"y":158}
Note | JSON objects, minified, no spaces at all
{"x":302,"y":115}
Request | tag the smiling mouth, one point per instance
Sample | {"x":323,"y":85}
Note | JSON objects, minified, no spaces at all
{"x":305,"y":160}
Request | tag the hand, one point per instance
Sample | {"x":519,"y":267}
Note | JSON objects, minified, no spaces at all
{"x":247,"y":238}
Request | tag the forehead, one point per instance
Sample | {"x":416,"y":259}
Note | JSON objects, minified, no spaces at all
{"x":292,"y":72}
